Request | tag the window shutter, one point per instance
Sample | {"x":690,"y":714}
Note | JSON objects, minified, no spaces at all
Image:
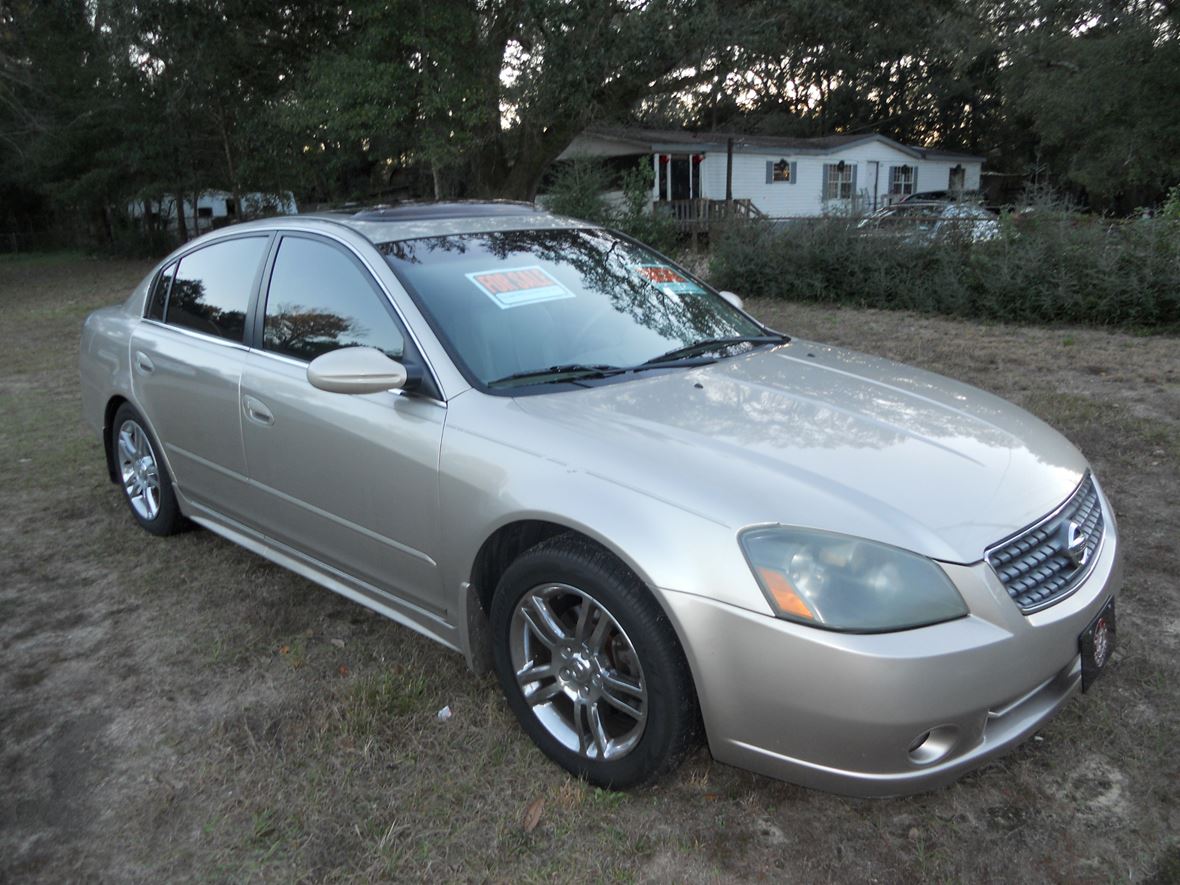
{"x":892,"y":179}
{"x":794,"y":171}
{"x":823,"y":193}
{"x":770,"y":171}
{"x":853,"y":194}
{"x":914,"y":180}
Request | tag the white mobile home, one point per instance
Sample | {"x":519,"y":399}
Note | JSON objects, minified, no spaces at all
{"x":784,"y":177}
{"x":213,"y":209}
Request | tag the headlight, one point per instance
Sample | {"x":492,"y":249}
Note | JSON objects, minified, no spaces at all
{"x":844,"y":583}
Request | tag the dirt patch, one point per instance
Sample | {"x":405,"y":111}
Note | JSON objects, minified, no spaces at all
{"x":175,"y":709}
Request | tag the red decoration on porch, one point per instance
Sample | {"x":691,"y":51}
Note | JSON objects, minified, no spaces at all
{"x":696,"y":158}
{"x":664,"y":158}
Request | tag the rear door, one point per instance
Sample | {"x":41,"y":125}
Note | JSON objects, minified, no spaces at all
{"x":186,"y":364}
{"x":351,"y":480}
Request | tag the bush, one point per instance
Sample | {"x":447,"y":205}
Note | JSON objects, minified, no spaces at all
{"x":635,"y":216}
{"x":1045,"y":266}
{"x":132,"y":242}
{"x":579,"y":190}
{"x":1171,"y":207}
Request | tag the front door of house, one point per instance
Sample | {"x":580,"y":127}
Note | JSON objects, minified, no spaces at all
{"x":681,"y":169}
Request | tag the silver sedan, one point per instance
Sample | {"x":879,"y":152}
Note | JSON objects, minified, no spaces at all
{"x":553,"y":450}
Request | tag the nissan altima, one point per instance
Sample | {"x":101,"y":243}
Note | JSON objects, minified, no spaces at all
{"x":553,"y":450}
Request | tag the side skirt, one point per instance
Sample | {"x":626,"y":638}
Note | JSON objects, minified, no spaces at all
{"x":408,"y":615}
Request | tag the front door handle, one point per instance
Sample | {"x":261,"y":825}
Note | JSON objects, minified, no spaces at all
{"x":144,"y":364}
{"x":256,"y":411}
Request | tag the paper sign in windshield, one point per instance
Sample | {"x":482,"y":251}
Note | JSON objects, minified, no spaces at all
{"x":668,"y":280}
{"x":519,"y":286}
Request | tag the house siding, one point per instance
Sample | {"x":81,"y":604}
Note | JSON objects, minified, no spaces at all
{"x":804,"y":195}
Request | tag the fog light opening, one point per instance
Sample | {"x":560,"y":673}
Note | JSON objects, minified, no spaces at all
{"x":933,"y":745}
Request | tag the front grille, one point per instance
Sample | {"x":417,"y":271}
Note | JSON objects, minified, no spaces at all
{"x":1036,"y":564}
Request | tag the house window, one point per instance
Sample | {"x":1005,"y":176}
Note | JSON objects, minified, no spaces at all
{"x":204,"y":212}
{"x":838,"y":180}
{"x":958,"y":178}
{"x":901,"y":181}
{"x":782,"y":171}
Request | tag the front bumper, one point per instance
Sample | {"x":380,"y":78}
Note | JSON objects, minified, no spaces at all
{"x":847,"y":713}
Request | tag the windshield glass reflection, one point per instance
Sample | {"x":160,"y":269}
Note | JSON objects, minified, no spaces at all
{"x":510,"y":302}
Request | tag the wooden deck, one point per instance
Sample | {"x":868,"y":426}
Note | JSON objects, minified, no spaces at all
{"x":694,"y":216}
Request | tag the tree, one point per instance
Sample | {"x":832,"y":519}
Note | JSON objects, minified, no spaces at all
{"x":487,"y":94}
{"x":1096,"y":85}
{"x":920,"y":72}
{"x":54,"y":113}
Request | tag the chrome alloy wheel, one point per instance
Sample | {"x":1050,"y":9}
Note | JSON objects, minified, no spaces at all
{"x":578,"y":672}
{"x":139,"y":470}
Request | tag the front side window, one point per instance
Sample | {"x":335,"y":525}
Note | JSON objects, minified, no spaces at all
{"x":211,"y":292}
{"x":957,"y":179}
{"x":320,"y":300}
{"x":901,"y":181}
{"x":515,"y":302}
{"x":838,"y":179}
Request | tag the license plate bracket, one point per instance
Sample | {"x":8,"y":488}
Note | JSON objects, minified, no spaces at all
{"x":1097,"y":644}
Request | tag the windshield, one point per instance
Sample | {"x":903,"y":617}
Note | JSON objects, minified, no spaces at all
{"x":511,"y":303}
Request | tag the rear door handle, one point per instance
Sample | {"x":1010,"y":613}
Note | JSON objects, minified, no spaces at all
{"x":144,"y":364}
{"x":256,"y":411}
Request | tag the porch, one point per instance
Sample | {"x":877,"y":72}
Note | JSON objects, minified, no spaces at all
{"x":697,"y":215}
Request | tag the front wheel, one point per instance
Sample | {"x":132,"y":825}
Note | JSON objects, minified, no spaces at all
{"x":591,"y":666}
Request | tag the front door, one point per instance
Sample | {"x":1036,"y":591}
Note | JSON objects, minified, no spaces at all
{"x":351,"y":480}
{"x":681,"y":171}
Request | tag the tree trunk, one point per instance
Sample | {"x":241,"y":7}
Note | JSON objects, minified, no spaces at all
{"x":181,"y":224}
{"x":534,"y":154}
{"x":234,"y":187}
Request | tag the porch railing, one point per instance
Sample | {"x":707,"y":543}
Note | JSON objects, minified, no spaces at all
{"x":700,"y":214}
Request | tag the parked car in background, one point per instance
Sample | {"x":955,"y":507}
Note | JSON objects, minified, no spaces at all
{"x":552,"y":449}
{"x":944,"y":196}
{"x":933,"y":219}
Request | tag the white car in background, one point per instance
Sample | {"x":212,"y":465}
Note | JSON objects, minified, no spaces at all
{"x":923,"y":220}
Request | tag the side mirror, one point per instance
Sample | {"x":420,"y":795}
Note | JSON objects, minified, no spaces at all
{"x":731,"y":298}
{"x":358,"y":370}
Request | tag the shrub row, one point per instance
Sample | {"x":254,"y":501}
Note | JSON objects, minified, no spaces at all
{"x":1044,"y":267}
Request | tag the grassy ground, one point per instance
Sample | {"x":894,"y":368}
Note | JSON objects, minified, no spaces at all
{"x":180,"y":709}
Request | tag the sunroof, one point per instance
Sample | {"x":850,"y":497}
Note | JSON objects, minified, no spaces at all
{"x":438,"y":211}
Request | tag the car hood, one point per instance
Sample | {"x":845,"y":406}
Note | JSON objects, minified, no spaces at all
{"x":811,"y":435}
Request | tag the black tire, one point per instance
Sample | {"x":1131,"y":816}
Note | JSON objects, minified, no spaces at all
{"x":639,"y":640}
{"x":166,"y":519}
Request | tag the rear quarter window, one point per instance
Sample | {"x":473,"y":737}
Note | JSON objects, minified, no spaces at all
{"x":159,"y":296}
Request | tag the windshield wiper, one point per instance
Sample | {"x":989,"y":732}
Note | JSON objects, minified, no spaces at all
{"x":566,"y":372}
{"x":709,"y":345}
{"x":580,"y":371}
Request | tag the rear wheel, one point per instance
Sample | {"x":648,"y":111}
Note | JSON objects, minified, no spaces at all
{"x":591,"y":665}
{"x":147,"y":488}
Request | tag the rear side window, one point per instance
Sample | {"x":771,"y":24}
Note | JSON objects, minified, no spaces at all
{"x":212,"y":287}
{"x":320,"y":300}
{"x":155,"y":309}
